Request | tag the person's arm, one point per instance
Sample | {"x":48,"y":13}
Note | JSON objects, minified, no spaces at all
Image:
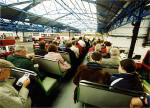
{"x":136,"y":102}
{"x":15,"y":99}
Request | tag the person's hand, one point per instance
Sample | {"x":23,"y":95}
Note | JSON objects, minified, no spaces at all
{"x":26,"y":83}
{"x":136,"y":103}
{"x":30,"y":56}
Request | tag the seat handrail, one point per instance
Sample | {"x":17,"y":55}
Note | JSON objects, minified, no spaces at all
{"x":113,"y":89}
{"x":42,"y":57}
{"x":21,"y":70}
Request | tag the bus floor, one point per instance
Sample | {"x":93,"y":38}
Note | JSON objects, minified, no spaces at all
{"x":62,"y":97}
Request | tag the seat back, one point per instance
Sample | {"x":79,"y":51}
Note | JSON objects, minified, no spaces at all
{"x":65,"y":56}
{"x":49,"y":66}
{"x":145,"y":69}
{"x":146,"y":87}
{"x":101,"y":95}
{"x":111,"y":70}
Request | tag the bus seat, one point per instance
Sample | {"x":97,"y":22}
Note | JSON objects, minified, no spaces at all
{"x":49,"y":66}
{"x":90,"y":93}
{"x":66,"y":56}
{"x":111,"y":70}
{"x":85,"y":60}
{"x":145,"y":69}
{"x":146,"y":87}
{"x":47,"y":84}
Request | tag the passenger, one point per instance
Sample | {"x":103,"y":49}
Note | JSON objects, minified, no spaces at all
{"x":81,"y":42}
{"x":137,"y":102}
{"x":127,"y":78}
{"x":71,"y":54}
{"x":93,"y":47}
{"x":112,"y":62}
{"x":75,"y":49}
{"x":80,"y":48}
{"x":62,"y":46}
{"x":20,"y":60}
{"x":93,"y":74}
{"x":9,"y":96}
{"x":98,"y":47}
{"x":41,"y":51}
{"x":95,"y":60}
{"x":54,"y":55}
{"x":108,"y":47}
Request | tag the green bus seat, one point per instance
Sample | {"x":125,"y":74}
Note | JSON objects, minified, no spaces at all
{"x":65,"y":56}
{"x":48,"y":84}
{"x":102,"y":96}
{"x":49,"y":66}
{"x":146,"y":87}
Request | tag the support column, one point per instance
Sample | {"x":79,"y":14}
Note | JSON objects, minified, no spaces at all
{"x":134,"y":37}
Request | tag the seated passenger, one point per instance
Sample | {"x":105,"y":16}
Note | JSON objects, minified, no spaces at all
{"x":75,"y":49}
{"x":41,"y":51}
{"x":95,"y":60}
{"x":62,"y":46}
{"x":81,"y":42}
{"x":9,"y":96}
{"x":54,"y":55}
{"x":98,"y":47}
{"x":113,"y":61}
{"x":127,"y":78}
{"x":92,"y":73}
{"x":93,"y":47}
{"x":71,"y":54}
{"x":89,"y":73}
{"x":20,"y":60}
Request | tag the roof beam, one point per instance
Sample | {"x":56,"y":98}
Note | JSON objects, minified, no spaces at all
{"x":32,"y":5}
{"x":19,"y":3}
{"x":96,"y":3}
{"x":62,"y":16}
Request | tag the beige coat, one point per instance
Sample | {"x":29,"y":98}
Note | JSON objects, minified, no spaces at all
{"x":11,"y":98}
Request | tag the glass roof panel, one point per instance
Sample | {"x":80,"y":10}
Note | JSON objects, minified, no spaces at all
{"x":22,"y":5}
{"x":12,"y":1}
{"x":75,"y":13}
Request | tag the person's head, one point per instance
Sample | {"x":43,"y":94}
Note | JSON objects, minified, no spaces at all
{"x":74,"y":42}
{"x":5,"y":69}
{"x":127,"y":66}
{"x":52,"y":48}
{"x":68,"y":44}
{"x":54,"y":42}
{"x":80,"y":38}
{"x":42,"y":44}
{"x":98,"y":47}
{"x":96,"y":56}
{"x":94,"y":43}
{"x":143,"y":45}
{"x":114,"y":52}
{"x":86,"y":73}
{"x":107,"y":43}
{"x":21,"y":50}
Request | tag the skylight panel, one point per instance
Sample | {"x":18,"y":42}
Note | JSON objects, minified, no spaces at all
{"x":22,"y":5}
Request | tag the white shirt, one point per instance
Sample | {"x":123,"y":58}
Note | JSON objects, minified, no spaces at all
{"x":82,"y":43}
{"x":75,"y":50}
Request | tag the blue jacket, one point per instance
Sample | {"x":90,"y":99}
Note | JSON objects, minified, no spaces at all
{"x":126,"y":81}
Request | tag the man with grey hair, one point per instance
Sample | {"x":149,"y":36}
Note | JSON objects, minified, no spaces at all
{"x":9,"y":96}
{"x":20,"y":60}
{"x":111,"y":64}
